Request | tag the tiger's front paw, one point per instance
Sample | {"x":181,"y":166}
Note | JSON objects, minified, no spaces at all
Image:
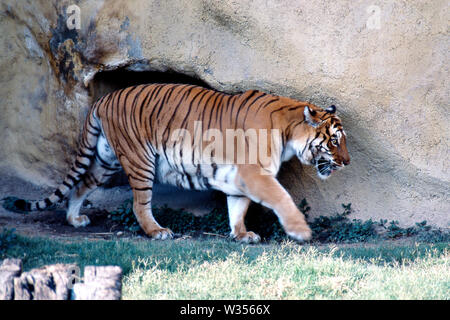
{"x":247,"y":237}
{"x":300,"y":233}
{"x":79,"y":221}
{"x":161,"y":234}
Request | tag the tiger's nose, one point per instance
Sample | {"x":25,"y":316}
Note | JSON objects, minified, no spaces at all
{"x":346,"y":162}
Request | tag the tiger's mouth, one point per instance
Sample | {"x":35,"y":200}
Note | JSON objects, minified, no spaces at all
{"x":325,"y":167}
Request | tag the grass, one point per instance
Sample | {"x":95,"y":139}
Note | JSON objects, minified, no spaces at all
{"x":7,"y":239}
{"x":222,"y":269}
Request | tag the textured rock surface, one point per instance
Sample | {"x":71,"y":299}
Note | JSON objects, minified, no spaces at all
{"x":9,"y":269}
{"x":100,"y":283}
{"x":389,"y":81}
{"x":59,"y":282}
{"x":46,"y":283}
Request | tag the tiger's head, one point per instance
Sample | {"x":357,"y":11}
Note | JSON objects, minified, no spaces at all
{"x":321,"y":141}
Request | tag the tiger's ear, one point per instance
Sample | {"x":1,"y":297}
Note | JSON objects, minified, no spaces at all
{"x":311,"y":117}
{"x":331,"y":109}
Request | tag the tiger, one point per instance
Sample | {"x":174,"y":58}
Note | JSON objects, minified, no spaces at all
{"x":133,"y":128}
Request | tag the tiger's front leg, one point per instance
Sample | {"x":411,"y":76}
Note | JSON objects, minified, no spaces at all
{"x":237,"y":209}
{"x":265,"y":189}
{"x":141,"y":182}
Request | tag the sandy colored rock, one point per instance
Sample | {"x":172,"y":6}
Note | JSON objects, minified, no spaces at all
{"x":9,"y":269}
{"x":100,"y":283}
{"x":46,"y":283}
{"x":387,"y":76}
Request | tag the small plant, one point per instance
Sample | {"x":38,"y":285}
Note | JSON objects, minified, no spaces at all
{"x":178,"y":220}
{"x":336,"y":229}
{"x":339,"y":228}
{"x":7,"y":238}
{"x":394,"y":231}
{"x":304,"y":207}
{"x":421,"y":230}
{"x":216,"y":221}
{"x":184,"y":222}
{"x":347,"y":209}
{"x":125,"y":217}
{"x":433,"y":236}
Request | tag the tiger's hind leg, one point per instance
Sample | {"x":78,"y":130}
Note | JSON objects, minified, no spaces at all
{"x":102,"y":168}
{"x":237,"y":209}
{"x":95,"y":177}
{"x":140,"y":176}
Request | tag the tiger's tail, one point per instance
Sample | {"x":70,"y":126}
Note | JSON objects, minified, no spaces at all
{"x":85,"y":156}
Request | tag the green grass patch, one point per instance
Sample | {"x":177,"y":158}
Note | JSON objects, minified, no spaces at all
{"x":7,"y":239}
{"x":221,"y":269}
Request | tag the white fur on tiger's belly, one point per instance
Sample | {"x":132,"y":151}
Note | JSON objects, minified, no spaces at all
{"x":202,"y":177}
{"x":225,"y":180}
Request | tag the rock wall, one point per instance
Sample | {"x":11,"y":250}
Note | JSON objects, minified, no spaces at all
{"x":384,"y":65}
{"x":59,"y":282}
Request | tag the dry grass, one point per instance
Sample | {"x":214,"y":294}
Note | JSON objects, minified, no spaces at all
{"x":222,"y":269}
{"x":294,"y":272}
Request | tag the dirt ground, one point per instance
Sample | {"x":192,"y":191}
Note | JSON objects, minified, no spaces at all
{"x":53,"y":223}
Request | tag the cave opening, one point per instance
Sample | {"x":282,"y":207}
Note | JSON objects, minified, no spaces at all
{"x":109,"y":81}
{"x":198,"y":202}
